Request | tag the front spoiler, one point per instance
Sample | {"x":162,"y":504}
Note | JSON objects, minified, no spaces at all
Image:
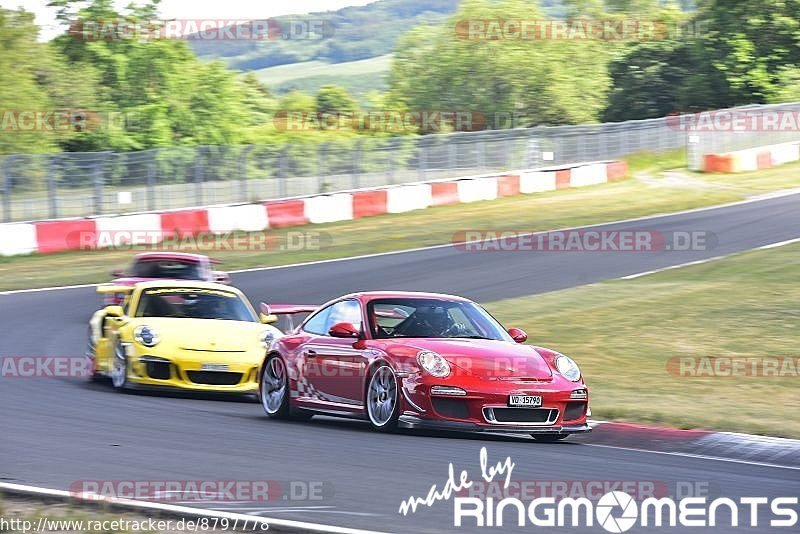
{"x":411,"y":422}
{"x":133,"y":385}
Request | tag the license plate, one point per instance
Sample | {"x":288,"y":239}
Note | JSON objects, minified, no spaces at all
{"x":214,"y":367}
{"x":529,"y":401}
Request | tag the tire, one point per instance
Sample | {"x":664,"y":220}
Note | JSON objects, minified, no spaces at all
{"x":119,"y":369}
{"x":382,"y":399}
{"x":548,"y":438}
{"x":273,"y":388}
{"x":91,"y":353}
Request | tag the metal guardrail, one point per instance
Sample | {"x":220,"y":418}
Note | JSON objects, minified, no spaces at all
{"x":72,"y":184}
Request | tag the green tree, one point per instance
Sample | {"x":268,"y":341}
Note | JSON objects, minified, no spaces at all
{"x":20,"y":91}
{"x":297,"y":101}
{"x":749,"y":44}
{"x":333,"y":98}
{"x":538,"y":81}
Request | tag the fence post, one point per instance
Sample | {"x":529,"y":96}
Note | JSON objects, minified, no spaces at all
{"x":51,"y":185}
{"x":198,"y":175}
{"x":320,"y":167}
{"x":5,"y":174}
{"x":243,"y":172}
{"x":421,"y":158}
{"x":481,"y":156}
{"x":98,"y":184}
{"x":151,"y":181}
{"x":283,"y":168}
{"x":390,"y":160}
{"x":357,"y":165}
{"x":451,"y":151}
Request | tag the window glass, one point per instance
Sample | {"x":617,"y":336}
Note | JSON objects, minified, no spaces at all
{"x":432,"y":318}
{"x":175,"y":269}
{"x":193,"y":303}
{"x":316,"y":324}
{"x":346,"y":311}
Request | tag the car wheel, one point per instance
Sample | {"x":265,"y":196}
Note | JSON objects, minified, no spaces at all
{"x":548,"y":438}
{"x":91,"y":353}
{"x":274,"y":388}
{"x":382,"y":399}
{"x":119,"y":368}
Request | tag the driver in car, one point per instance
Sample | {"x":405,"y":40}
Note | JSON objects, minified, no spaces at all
{"x":430,"y":321}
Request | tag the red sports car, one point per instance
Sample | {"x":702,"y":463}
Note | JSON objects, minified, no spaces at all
{"x":149,"y":266}
{"x":421,"y":360}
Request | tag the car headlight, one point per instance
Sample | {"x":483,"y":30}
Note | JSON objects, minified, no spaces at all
{"x":146,"y":335}
{"x":433,"y":363}
{"x":267,"y":337}
{"x":567,"y":367}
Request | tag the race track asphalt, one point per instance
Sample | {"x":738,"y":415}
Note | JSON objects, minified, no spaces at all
{"x":59,"y":431}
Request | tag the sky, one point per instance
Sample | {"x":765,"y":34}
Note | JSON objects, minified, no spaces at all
{"x":195,"y":9}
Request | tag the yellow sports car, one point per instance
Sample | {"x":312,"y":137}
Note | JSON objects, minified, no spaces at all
{"x":182,"y":334}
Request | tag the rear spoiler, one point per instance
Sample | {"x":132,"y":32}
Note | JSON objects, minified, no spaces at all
{"x":287,"y":309}
{"x":112,"y":288}
{"x":273,"y":311}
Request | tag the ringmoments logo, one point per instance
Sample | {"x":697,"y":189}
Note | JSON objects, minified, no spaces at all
{"x":615,"y":511}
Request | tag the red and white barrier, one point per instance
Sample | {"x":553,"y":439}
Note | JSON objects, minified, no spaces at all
{"x":329,"y":208}
{"x":19,"y":238}
{"x":141,"y":228}
{"x":591,"y":174}
{"x":403,"y":198}
{"x":245,"y":218}
{"x":537,"y":181}
{"x":476,"y":189}
{"x":152,"y":228}
{"x":752,"y":159}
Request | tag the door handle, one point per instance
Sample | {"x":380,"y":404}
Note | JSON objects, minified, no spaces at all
{"x":310,"y":353}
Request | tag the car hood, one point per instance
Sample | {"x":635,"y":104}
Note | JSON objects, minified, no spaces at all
{"x":484,"y":358}
{"x":207,"y":335}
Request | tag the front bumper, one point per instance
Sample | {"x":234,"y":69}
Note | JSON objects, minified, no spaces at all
{"x":184,"y":373}
{"x":484,"y":406}
{"x":413,"y":422}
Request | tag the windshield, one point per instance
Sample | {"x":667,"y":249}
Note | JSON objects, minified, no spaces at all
{"x":194,"y":303}
{"x":174,"y":269}
{"x":432,"y":318}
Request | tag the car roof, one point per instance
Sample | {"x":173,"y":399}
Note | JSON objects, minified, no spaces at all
{"x":189,"y":284}
{"x":372,"y":295}
{"x":183,"y":256}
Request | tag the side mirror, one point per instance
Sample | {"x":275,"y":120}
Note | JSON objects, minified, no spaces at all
{"x":268,"y":318}
{"x":118,"y":273}
{"x":518,"y":335}
{"x":221,"y":277}
{"x":114,"y":311}
{"x":344,"y":330}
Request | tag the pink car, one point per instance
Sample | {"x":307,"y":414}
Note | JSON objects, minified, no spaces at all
{"x":165,"y":266}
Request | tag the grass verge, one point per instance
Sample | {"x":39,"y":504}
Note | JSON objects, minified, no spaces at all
{"x":623,"y":332}
{"x":558,"y":209}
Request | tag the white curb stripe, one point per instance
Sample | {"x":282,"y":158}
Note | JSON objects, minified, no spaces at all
{"x":715,"y":258}
{"x":300,"y":526}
